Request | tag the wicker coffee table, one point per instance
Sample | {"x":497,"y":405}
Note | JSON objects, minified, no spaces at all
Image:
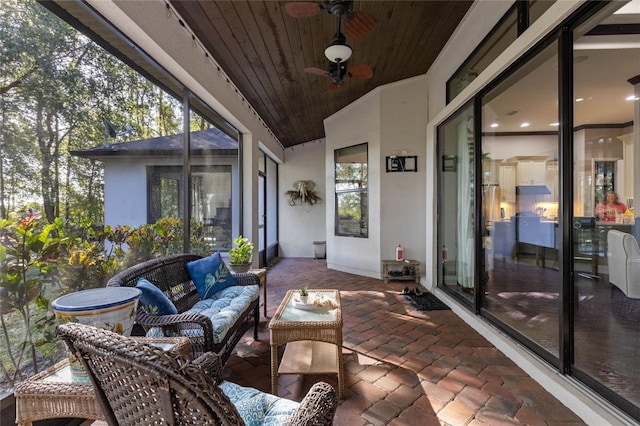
{"x":312,"y":335}
{"x":53,"y":393}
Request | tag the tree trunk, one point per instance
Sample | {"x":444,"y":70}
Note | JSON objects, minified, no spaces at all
{"x":45,"y":168}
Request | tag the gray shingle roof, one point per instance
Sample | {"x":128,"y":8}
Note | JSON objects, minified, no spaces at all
{"x":204,"y":142}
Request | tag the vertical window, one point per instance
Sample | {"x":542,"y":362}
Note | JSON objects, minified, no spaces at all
{"x":456,"y":203}
{"x":352,"y":211}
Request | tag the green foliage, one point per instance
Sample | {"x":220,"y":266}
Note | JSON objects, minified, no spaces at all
{"x":304,"y":291}
{"x":40,"y":261}
{"x":242,"y":251}
{"x":56,"y":85}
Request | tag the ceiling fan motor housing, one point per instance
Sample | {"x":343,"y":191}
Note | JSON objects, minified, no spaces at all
{"x":339,"y":8}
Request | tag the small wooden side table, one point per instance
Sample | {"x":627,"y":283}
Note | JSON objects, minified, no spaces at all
{"x":52,"y":393}
{"x":401,"y":270}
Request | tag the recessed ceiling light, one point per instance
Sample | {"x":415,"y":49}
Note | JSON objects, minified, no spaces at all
{"x":632,"y":98}
{"x":579,"y":99}
{"x":554,"y":124}
{"x":525,"y":124}
{"x":494,"y":125}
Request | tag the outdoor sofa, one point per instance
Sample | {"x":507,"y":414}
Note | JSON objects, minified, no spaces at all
{"x":215,"y":323}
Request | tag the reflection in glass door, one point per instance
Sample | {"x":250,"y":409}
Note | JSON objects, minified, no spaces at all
{"x":520,"y":233}
{"x":456,"y":205}
{"x":606,"y":124}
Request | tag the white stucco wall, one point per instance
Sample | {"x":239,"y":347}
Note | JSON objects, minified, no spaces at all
{"x":390,"y":118}
{"x":125,"y":193}
{"x":300,"y":226}
{"x":403,"y":119}
{"x":356,"y":124}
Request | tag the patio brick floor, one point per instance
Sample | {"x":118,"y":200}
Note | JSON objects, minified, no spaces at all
{"x":402,"y":367}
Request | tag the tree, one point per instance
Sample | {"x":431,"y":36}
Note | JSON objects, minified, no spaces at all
{"x":56,"y":87}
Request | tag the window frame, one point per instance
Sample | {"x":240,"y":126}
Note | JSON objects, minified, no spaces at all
{"x":363,"y":193}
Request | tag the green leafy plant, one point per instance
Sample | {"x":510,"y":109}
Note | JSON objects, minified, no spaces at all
{"x":304,"y":291}
{"x":242,"y":251}
{"x":27,"y":263}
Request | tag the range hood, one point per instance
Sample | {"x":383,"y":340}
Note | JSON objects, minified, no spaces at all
{"x":532,"y":190}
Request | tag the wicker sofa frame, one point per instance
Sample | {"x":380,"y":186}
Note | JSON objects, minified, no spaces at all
{"x":139,"y":384}
{"x":171,"y":276}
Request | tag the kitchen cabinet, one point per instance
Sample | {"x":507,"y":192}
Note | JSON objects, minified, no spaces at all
{"x":531,"y":172}
{"x":507,"y":182}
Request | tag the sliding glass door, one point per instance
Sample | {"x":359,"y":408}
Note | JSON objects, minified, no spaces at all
{"x":456,"y":242}
{"x":606,"y":288}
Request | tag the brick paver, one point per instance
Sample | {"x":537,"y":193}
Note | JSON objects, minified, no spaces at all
{"x":402,"y":367}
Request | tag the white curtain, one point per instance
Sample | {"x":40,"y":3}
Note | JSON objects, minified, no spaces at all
{"x":465,"y":241}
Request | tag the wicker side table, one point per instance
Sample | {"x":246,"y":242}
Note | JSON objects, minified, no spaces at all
{"x":313,"y":339}
{"x":53,"y":393}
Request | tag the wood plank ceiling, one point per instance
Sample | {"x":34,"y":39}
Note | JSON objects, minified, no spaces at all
{"x":265,"y":51}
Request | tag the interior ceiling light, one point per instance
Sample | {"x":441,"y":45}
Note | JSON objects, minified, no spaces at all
{"x":632,"y":98}
{"x":579,"y":99}
{"x":525,"y":124}
{"x":494,"y":125}
{"x":554,"y":124}
{"x":338,"y":51}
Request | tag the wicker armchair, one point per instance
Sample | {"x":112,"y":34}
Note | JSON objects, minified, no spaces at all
{"x":170,"y":275}
{"x":139,"y":384}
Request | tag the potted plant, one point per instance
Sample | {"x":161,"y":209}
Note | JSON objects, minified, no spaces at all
{"x":304,"y":294}
{"x":240,"y":255}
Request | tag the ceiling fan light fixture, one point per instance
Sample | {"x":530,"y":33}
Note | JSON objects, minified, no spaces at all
{"x":338,"y":52}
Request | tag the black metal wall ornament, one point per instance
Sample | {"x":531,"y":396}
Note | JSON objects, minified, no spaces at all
{"x":402,"y":163}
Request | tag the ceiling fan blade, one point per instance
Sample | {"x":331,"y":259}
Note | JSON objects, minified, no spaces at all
{"x":302,"y":9}
{"x":317,"y":71}
{"x":362,"y":71}
{"x":359,"y":24}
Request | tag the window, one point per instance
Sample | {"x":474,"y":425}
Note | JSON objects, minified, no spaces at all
{"x":513,"y":23}
{"x":352,"y":211}
{"x":211,"y":200}
{"x":89,"y":103}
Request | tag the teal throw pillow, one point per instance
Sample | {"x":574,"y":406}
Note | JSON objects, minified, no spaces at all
{"x":210,"y":275}
{"x":154,"y":300}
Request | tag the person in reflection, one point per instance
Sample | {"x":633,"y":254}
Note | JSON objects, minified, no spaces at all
{"x":607,"y":211}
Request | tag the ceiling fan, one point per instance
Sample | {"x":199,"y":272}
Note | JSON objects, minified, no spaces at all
{"x":356,"y":25}
{"x":338,"y":52}
{"x":337,"y":71}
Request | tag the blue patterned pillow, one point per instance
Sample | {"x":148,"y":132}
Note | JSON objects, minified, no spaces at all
{"x":154,"y":300}
{"x":210,"y":275}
